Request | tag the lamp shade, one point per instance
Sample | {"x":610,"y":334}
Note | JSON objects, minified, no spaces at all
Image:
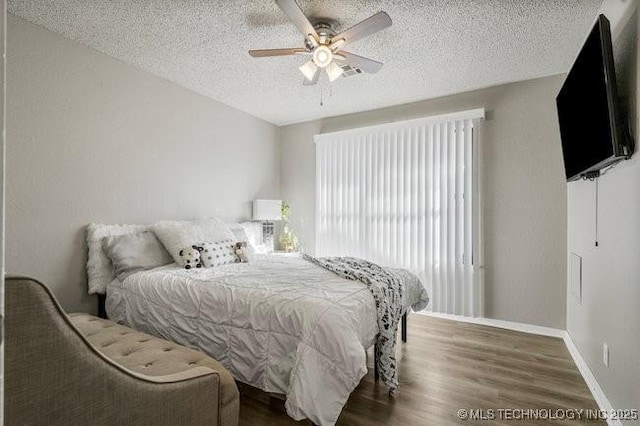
{"x":309,"y":69}
{"x":333,"y":71}
{"x":267,"y":210}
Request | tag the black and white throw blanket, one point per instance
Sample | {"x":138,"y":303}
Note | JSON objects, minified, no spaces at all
{"x":387,"y":289}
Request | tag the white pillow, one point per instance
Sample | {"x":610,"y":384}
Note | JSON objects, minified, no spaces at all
{"x":135,"y":252}
{"x":218,"y":253}
{"x":99,"y":269}
{"x":253,"y":231}
{"x":238,"y":231}
{"x":176,"y":236}
{"x":242,"y":236}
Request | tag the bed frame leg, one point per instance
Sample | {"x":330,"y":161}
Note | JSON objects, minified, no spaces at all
{"x":404,"y":328}
{"x":102,"y":313}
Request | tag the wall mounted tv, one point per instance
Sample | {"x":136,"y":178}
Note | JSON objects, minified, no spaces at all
{"x":593,"y":134}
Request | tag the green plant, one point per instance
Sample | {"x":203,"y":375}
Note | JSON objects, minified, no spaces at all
{"x":288,"y":239}
{"x":285,"y":211}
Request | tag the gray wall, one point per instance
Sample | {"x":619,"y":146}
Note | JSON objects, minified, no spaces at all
{"x":91,"y":139}
{"x":3,"y":17}
{"x":609,"y":311}
{"x":525,"y":192}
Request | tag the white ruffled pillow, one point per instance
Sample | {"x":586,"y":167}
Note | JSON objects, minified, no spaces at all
{"x":176,"y":236}
{"x":99,"y":268}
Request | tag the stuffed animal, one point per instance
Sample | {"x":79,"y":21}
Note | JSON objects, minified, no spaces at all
{"x":191,"y":257}
{"x":242,"y":251}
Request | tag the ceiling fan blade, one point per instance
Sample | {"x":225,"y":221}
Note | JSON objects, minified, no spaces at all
{"x":294,"y":12}
{"x":372,"y":24}
{"x":365,"y":64}
{"x":277,"y":52}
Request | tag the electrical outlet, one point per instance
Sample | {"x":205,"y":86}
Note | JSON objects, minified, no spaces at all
{"x":605,"y":354}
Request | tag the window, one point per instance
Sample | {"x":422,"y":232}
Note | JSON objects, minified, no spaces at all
{"x":406,"y":195}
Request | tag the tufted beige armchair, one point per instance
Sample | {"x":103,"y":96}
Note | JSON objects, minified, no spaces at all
{"x":55,"y":376}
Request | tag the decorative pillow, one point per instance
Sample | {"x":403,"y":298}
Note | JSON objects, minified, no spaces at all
{"x":99,"y":269}
{"x":131,"y":253}
{"x":176,"y":236}
{"x":218,"y":253}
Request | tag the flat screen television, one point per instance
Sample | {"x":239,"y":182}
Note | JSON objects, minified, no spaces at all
{"x":593,"y":133}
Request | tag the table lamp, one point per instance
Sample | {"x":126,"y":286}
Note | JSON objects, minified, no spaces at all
{"x":267,"y":211}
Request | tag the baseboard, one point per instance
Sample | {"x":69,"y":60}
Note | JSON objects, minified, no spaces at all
{"x":590,"y":379}
{"x":508,"y":325}
{"x":597,"y":392}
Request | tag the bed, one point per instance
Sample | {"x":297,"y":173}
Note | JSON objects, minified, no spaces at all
{"x":287,"y":325}
{"x":281,"y":324}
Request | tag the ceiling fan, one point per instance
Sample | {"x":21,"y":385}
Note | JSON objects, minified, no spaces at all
{"x":323,"y":45}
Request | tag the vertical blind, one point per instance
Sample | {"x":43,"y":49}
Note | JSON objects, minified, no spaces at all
{"x":407,"y":195}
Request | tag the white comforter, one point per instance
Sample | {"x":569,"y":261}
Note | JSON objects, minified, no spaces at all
{"x":281,"y":324}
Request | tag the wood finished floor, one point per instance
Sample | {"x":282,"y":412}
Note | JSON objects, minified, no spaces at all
{"x":447,"y":365}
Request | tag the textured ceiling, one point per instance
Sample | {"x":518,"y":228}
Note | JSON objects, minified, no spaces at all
{"x":434,"y":48}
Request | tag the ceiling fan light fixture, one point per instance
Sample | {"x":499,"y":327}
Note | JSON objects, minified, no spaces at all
{"x":333,"y":71}
{"x":309,"y":70}
{"x":336,"y":43}
{"x":324,"y":46}
{"x":322,"y":56}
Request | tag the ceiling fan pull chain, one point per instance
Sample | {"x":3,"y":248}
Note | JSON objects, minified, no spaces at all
{"x":321,"y":102}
